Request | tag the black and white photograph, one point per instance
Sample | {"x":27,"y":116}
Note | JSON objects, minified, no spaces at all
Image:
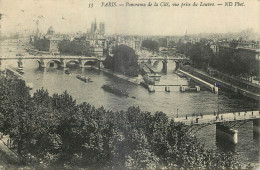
{"x":129,"y":84}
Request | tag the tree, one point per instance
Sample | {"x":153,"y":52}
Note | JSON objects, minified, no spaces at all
{"x":123,"y":61}
{"x":151,"y":45}
{"x":54,"y":132}
{"x":74,"y":47}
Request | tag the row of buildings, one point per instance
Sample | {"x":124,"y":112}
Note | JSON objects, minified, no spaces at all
{"x":242,"y":47}
{"x":95,"y":39}
{"x":99,"y":43}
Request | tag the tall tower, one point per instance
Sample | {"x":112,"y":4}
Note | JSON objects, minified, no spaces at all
{"x":102,"y":28}
{"x":94,"y":26}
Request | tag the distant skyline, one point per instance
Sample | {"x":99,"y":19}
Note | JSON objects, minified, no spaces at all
{"x":70,"y":16}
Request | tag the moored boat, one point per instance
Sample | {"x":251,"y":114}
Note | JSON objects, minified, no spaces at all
{"x":20,"y":71}
{"x":154,"y":76}
{"x":82,"y":78}
{"x":67,"y":72}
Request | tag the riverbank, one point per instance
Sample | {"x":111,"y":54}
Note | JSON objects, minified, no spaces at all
{"x":10,"y":72}
{"x":133,"y":80}
{"x":8,"y":159}
{"x":36,"y":52}
{"x":220,"y":82}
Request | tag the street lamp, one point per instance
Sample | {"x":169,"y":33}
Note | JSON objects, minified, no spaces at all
{"x":218,"y":97}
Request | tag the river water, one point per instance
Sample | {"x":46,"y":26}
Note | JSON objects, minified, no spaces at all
{"x":205,"y":102}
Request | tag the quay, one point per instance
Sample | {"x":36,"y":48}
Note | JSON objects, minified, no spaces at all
{"x":225,"y":123}
{"x":118,"y":75}
{"x":203,"y":83}
{"x":204,"y":77}
{"x":10,"y":72}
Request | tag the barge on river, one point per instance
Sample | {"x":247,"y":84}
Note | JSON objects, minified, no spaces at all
{"x":115,"y":90}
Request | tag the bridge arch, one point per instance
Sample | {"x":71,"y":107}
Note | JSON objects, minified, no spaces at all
{"x":89,"y":63}
{"x":67,"y":63}
{"x":49,"y":62}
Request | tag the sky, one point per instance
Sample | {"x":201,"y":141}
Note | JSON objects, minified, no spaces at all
{"x":68,"y":16}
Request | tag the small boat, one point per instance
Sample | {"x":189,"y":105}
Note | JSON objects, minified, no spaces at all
{"x":155,"y":76}
{"x":67,"y":72}
{"x":20,"y":71}
{"x":115,"y":90}
{"x":83,"y":78}
{"x":89,"y":79}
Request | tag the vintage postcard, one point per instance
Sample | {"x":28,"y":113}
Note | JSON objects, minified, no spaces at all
{"x":129,"y":84}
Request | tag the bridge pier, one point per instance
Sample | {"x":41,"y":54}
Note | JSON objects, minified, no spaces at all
{"x":98,"y":63}
{"x":42,"y":63}
{"x":81,"y":63}
{"x":226,"y":133}
{"x":165,"y":64}
{"x":63,"y":64}
{"x":177,"y":65}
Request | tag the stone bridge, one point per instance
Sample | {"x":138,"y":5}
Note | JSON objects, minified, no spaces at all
{"x":154,"y":60}
{"x":225,"y":123}
{"x":62,"y":61}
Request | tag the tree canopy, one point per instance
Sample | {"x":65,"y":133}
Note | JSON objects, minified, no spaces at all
{"x":74,"y":47}
{"x":123,"y":61}
{"x":150,"y":44}
{"x":231,"y":61}
{"x":53,"y":132}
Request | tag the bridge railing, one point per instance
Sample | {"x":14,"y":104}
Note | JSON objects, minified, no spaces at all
{"x":225,"y":117}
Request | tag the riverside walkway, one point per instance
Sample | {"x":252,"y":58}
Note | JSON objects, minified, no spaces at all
{"x":234,"y":88}
{"x":218,"y":118}
{"x":224,"y":122}
{"x":223,"y":83}
{"x":200,"y":81}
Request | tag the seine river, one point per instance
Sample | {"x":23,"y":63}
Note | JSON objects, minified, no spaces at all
{"x":205,"y":102}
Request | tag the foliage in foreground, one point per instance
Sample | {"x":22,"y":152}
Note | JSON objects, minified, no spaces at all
{"x":53,"y":131}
